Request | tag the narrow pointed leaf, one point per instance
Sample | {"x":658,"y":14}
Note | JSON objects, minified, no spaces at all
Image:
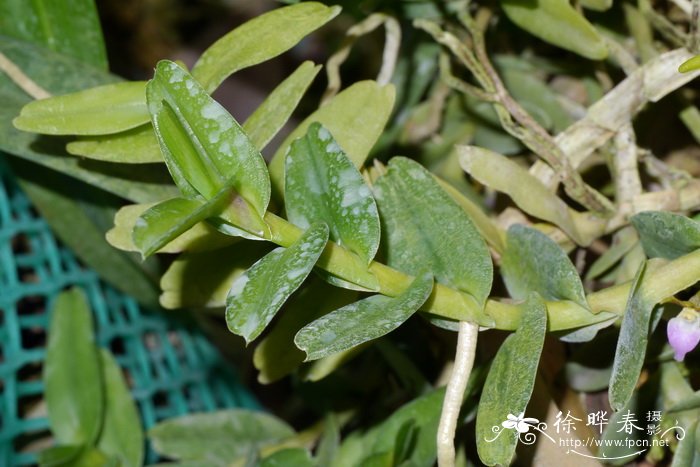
{"x":558,"y":23}
{"x":426,"y":230}
{"x":533,"y":262}
{"x":276,"y":109}
{"x":217,"y":438}
{"x":201,"y":142}
{"x":166,"y":221}
{"x":96,"y":111}
{"x":136,"y":146}
{"x":509,"y":384}
{"x":632,"y":344}
{"x":256,"y":296}
{"x":259,"y":40}
{"x":362,"y":321}
{"x":298,"y":457}
{"x":528,"y":193}
{"x":667,"y":235}
{"x":122,"y":436}
{"x":72,"y":376}
{"x":355,"y":117}
{"x":323,"y":185}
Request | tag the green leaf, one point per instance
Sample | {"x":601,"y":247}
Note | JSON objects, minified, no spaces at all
{"x":423,"y":412}
{"x":218,"y":438}
{"x":122,"y":436}
{"x":202,"y":144}
{"x":329,"y":443}
{"x":686,"y":453}
{"x":426,"y":230}
{"x":528,"y":193}
{"x":96,"y":111}
{"x":631,"y":345}
{"x":509,"y":384}
{"x":557,"y":22}
{"x":355,"y":117}
{"x":323,"y":185}
{"x":204,"y":279}
{"x":58,"y":456}
{"x":533,"y":262}
{"x":298,"y":457}
{"x":256,"y":296}
{"x":60,"y":74}
{"x":70,"y":28}
{"x":665,"y":234}
{"x":74,"y":398}
{"x":362,"y":321}
{"x":201,"y":237}
{"x":273,"y":113}
{"x":63,"y":204}
{"x":276,"y":355}
{"x":166,"y":221}
{"x":689,"y":65}
{"x":259,"y":40}
{"x":135,"y":146}
{"x":623,"y":241}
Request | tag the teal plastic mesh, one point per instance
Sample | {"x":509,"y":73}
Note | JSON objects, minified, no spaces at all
{"x":172,"y":367}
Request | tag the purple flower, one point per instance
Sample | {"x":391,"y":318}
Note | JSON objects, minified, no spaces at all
{"x":684,"y":332}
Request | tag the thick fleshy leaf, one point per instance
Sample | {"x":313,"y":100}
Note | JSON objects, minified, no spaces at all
{"x":355,"y":117}
{"x":509,"y":384}
{"x":257,"y":295}
{"x":122,"y":435}
{"x":96,"y":111}
{"x":533,"y":262}
{"x":323,"y":185}
{"x":632,"y":344}
{"x":276,"y":355}
{"x":60,"y":74}
{"x":278,"y":106}
{"x":259,"y":40}
{"x":558,"y":23}
{"x":136,"y":146}
{"x":59,"y":456}
{"x":219,"y":438}
{"x":75,"y":410}
{"x":202,"y":280}
{"x":166,"y":221}
{"x":426,"y":230}
{"x":666,"y":235}
{"x":202,"y":144}
{"x":362,"y":321}
{"x":69,"y":28}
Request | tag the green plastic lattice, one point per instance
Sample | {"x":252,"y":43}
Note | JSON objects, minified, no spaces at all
{"x":172,"y":367}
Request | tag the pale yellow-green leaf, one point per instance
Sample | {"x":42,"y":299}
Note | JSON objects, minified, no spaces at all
{"x":96,"y":111}
{"x":355,"y":117}
{"x":260,"y":39}
{"x":136,"y":146}
{"x":506,"y":176}
{"x":557,"y":22}
{"x":201,"y":237}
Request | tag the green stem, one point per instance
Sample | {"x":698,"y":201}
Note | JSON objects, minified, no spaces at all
{"x":664,"y":282}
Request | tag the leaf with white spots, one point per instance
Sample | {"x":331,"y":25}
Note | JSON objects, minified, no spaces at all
{"x":322,"y":184}
{"x":533,"y":262}
{"x":258,"y":294}
{"x":204,"y":147}
{"x":362,"y":321}
{"x":426,"y":229}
